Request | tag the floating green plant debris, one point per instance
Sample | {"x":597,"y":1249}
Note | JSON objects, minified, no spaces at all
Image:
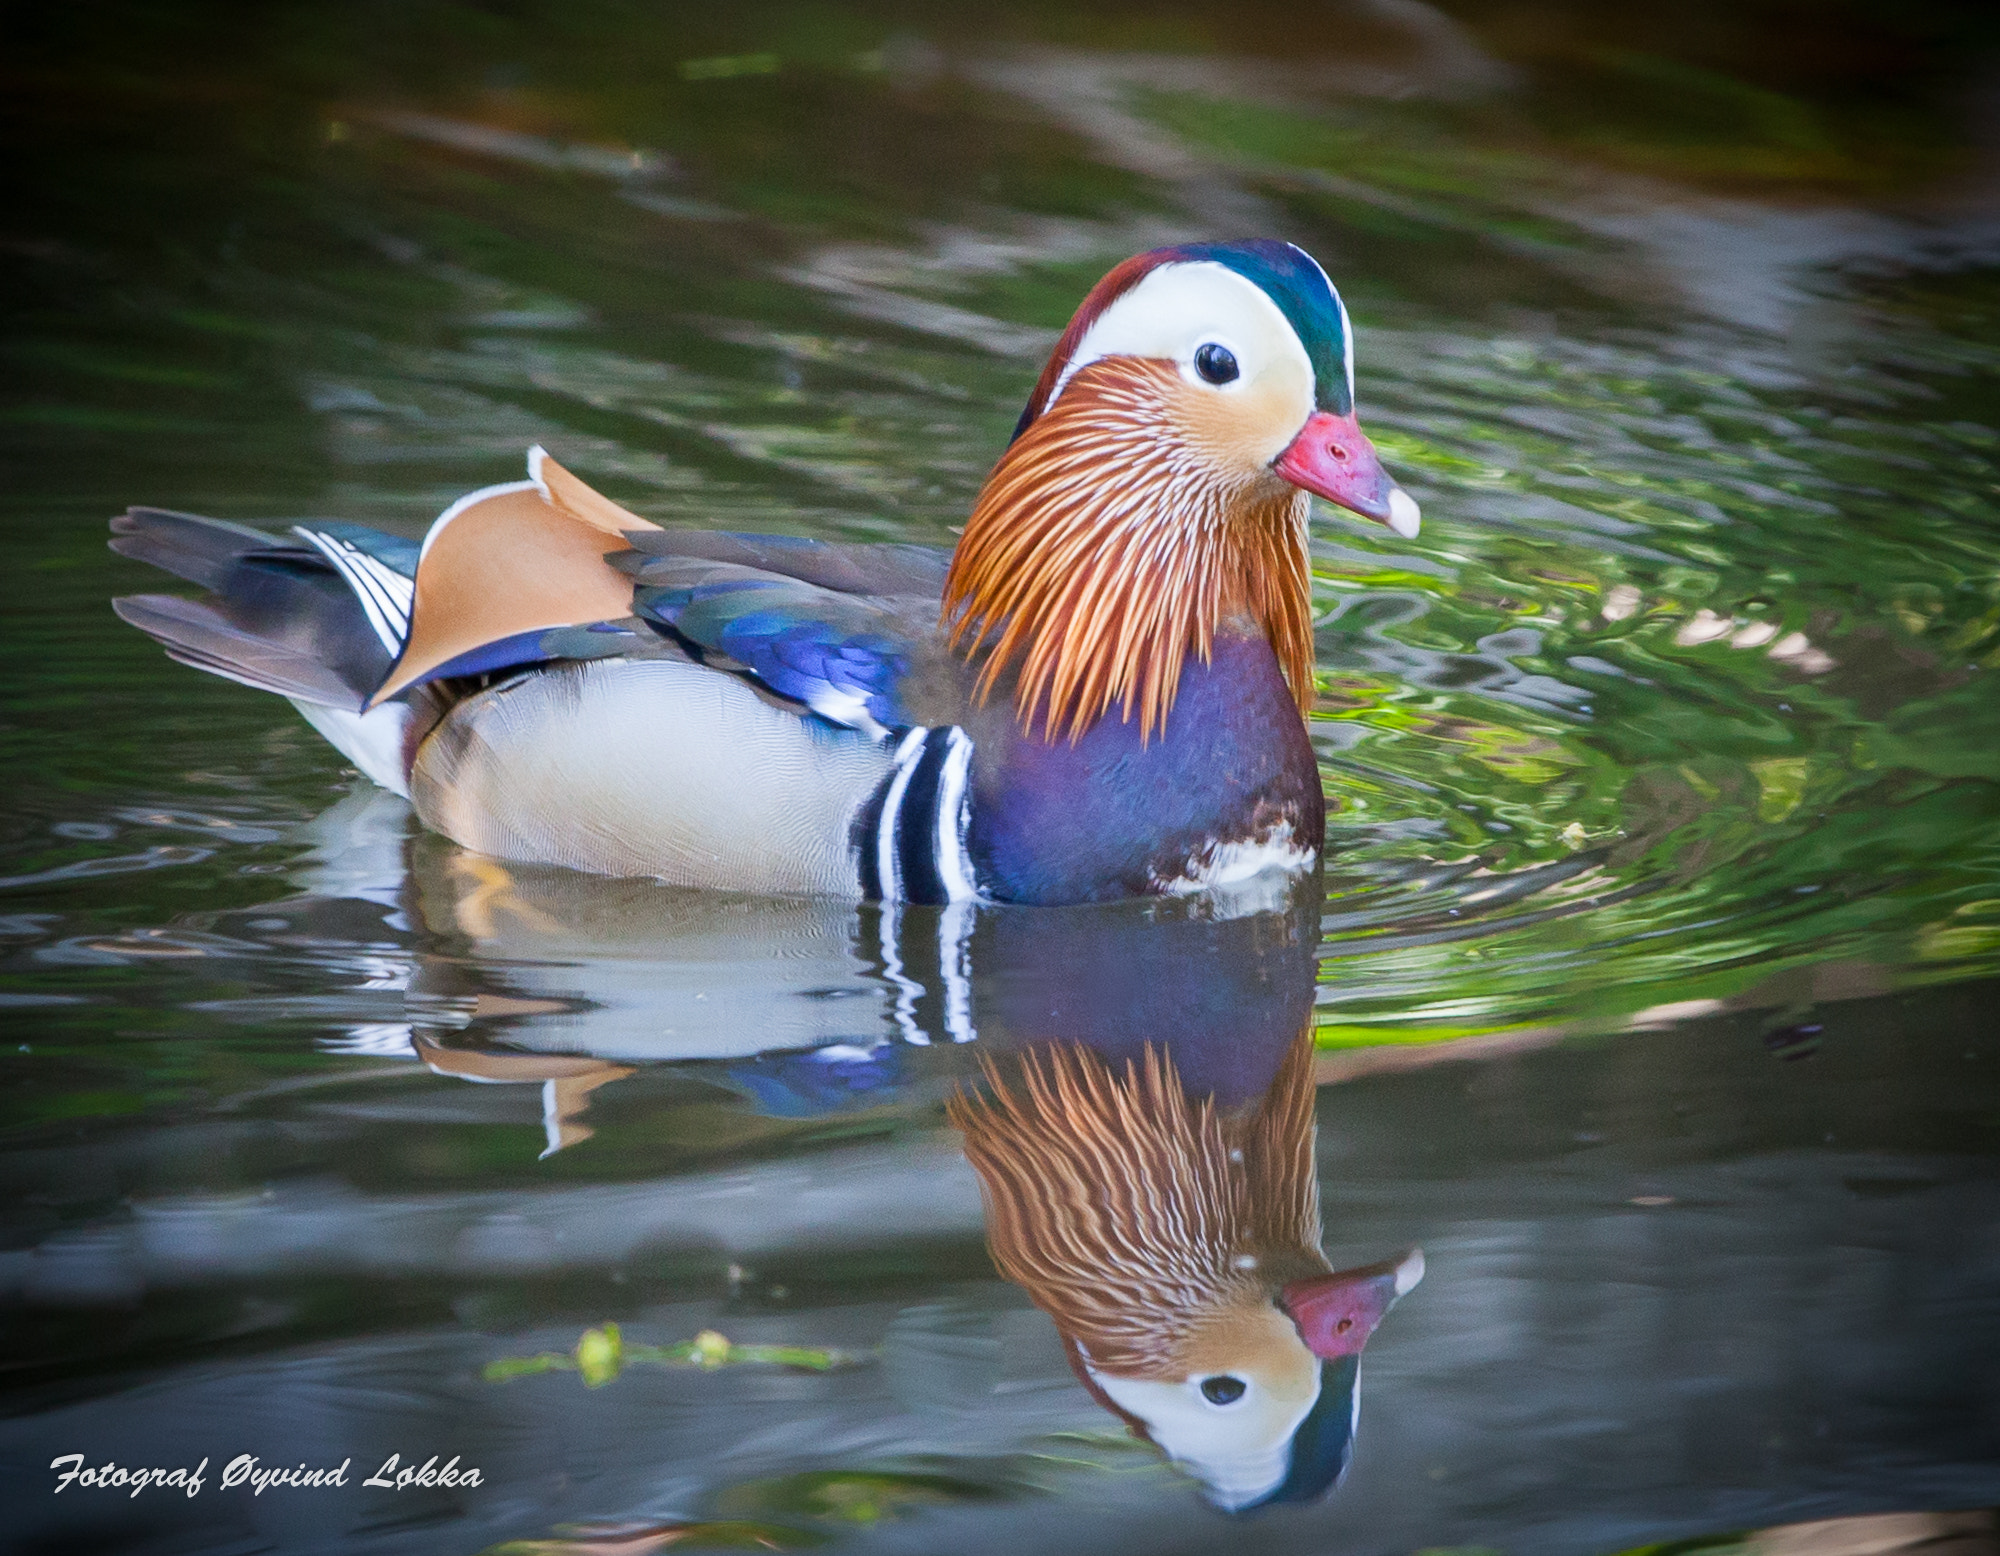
{"x":887,"y":1492}
{"x":1104,"y":1453}
{"x":859,"y":1496}
{"x":601,"y":1354}
{"x":721,"y":67}
{"x":1116,"y":1442}
{"x":643,"y":1539}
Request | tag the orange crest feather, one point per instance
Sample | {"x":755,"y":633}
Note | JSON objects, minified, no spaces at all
{"x":1105,"y":549}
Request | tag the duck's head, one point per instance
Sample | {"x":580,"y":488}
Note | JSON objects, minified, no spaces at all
{"x":1258,"y":354}
{"x":1177,"y":1250}
{"x":1261,"y":1404}
{"x":1158,"y":483}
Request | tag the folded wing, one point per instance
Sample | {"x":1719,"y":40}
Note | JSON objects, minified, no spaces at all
{"x":548,"y":569}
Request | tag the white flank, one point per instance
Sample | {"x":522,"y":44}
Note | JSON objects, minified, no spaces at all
{"x":372,"y":741}
{"x":567,"y":766}
{"x":1229,"y":864}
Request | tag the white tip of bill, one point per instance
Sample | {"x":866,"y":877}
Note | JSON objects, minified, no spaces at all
{"x":1405,"y":517}
{"x":1411,"y":1269}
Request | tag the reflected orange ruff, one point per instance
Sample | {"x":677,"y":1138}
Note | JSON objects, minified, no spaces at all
{"x":1125,"y":1210}
{"x":1105,"y":548}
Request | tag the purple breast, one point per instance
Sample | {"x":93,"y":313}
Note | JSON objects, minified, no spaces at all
{"x":1109,"y":817}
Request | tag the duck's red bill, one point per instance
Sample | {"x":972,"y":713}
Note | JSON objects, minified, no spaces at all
{"x":1332,"y":459}
{"x":1336,"y":1314}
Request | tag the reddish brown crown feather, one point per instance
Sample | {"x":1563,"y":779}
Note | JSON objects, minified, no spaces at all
{"x":1115,"y":285}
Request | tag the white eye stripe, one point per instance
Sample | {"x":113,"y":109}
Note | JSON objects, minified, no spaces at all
{"x":1346,"y":326}
{"x":1346,"y":345}
{"x":1179,"y":307}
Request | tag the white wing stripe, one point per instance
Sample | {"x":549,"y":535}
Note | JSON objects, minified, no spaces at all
{"x":889,"y":879}
{"x":371,"y":603}
{"x":399,"y":591}
{"x":954,"y":816}
{"x":384,"y":594}
{"x":388,"y":619}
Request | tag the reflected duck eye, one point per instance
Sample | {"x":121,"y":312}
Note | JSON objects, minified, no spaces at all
{"x":1216,"y":363}
{"x":1224,"y":1390}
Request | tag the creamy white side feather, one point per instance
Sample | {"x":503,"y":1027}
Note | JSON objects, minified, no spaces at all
{"x":372,"y":741}
{"x":650,"y":766}
{"x":1223,"y":865}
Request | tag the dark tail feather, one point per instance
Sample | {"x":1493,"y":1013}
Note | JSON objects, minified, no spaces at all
{"x":279,"y":616}
{"x":197,"y":634}
{"x":202,"y":551}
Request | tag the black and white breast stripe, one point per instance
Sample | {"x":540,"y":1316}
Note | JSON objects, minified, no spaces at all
{"x":385,"y":594}
{"x":909,"y":839}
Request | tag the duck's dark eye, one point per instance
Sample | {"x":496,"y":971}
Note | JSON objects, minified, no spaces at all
{"x":1224,"y":1390}
{"x":1217,"y":364}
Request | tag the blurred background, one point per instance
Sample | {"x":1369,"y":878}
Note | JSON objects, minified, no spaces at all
{"x":1654,"y":972}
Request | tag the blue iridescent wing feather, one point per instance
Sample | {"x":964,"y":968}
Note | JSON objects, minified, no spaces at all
{"x":845,"y":656}
{"x":821,"y":624}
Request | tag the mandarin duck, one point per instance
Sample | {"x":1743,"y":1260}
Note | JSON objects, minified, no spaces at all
{"x":1097,"y":694}
{"x":1175,"y":1244}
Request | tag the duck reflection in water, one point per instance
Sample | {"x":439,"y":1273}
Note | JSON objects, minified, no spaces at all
{"x":1158,"y":1200}
{"x":1175,"y":1241}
